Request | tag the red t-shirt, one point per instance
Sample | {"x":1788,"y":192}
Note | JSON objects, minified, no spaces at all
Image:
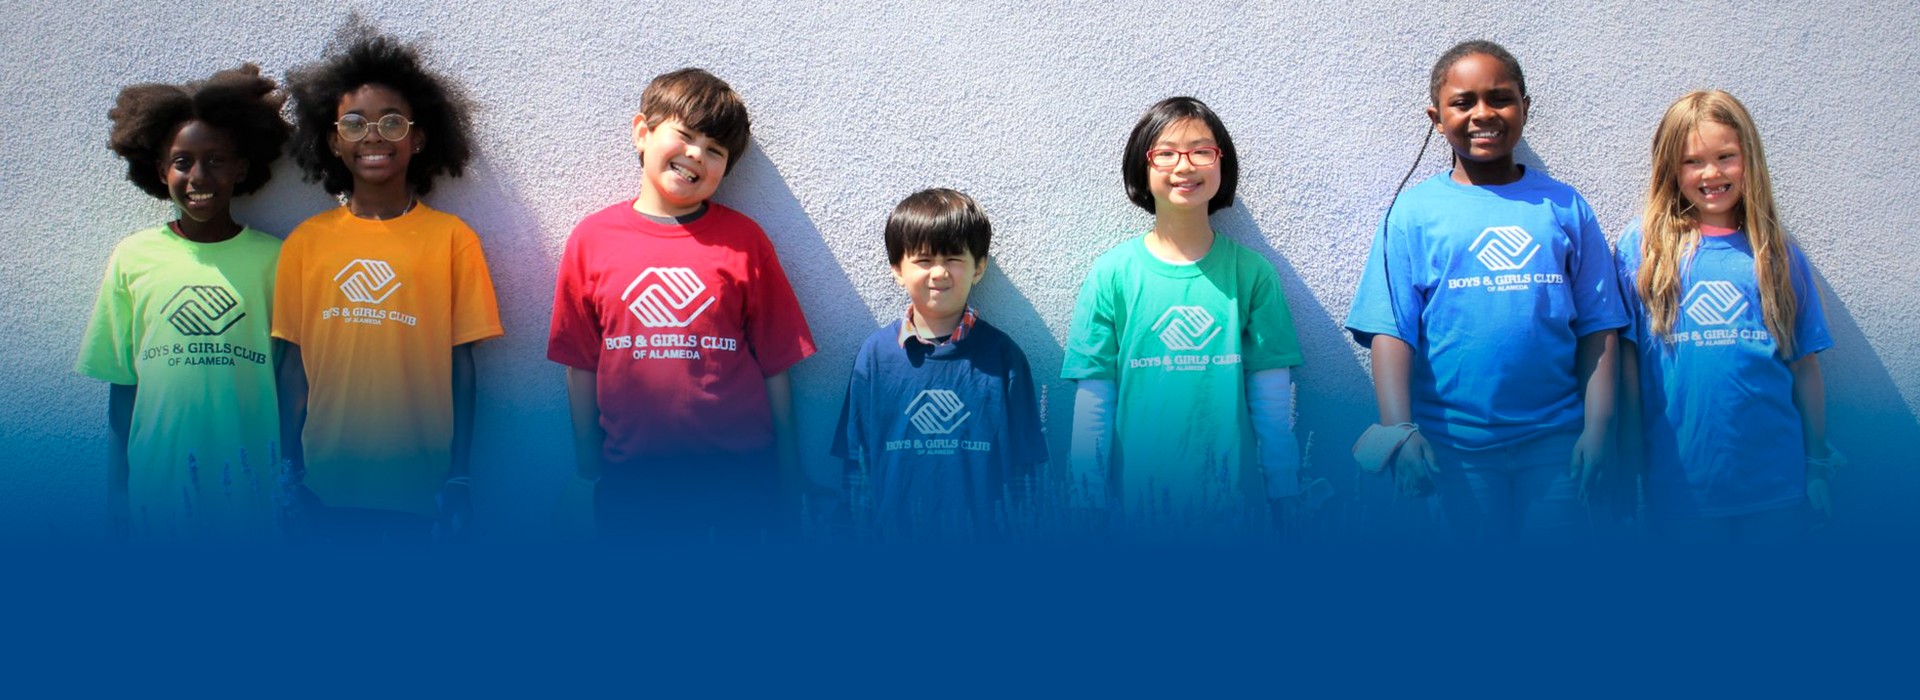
{"x":682,"y":324}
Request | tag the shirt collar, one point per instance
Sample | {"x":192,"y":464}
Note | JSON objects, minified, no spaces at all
{"x":909,"y":331}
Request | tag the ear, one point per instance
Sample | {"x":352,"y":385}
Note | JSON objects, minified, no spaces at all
{"x":980,"y":270}
{"x":898,"y":278}
{"x":640,"y":132}
{"x":1433,"y":115}
{"x":241,"y":174}
{"x":419,"y":139}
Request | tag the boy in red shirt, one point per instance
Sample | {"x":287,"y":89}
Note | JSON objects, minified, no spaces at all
{"x":677,"y":327}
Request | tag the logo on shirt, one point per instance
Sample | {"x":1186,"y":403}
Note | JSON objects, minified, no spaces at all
{"x":1504,"y":248}
{"x":1186,"y":328}
{"x":663,"y":303}
{"x":367,"y":281}
{"x":937,"y":412}
{"x":1715,"y":303}
{"x":202,"y":310}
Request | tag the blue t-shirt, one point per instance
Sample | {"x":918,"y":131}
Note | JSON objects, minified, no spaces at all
{"x":945,"y":430}
{"x":1492,"y":286}
{"x":1722,"y":434}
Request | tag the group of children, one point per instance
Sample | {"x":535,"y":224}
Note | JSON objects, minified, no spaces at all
{"x":337,"y":367}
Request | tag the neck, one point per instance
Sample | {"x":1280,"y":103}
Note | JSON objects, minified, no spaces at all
{"x":936,"y":326}
{"x":1500,"y":171}
{"x":1180,"y":234}
{"x":1725,"y":220}
{"x":652,"y":204}
{"x":383,"y":201}
{"x":221,"y":228}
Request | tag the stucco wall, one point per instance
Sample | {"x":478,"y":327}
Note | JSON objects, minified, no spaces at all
{"x":1024,"y":105}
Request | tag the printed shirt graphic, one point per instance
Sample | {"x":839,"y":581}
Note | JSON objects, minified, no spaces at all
{"x":187,"y":324}
{"x":681,"y":325}
{"x":1181,"y":338}
{"x":945,"y":430}
{"x":376,"y":308}
{"x":1493,"y":287}
{"x":1723,"y":437}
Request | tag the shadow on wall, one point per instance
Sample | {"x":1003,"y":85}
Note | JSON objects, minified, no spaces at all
{"x":1870,"y":423}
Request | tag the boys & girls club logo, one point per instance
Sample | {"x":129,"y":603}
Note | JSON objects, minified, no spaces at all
{"x":937,"y":412}
{"x":1504,"y":248}
{"x":367,"y":281}
{"x":1186,"y":328}
{"x":663,"y":303}
{"x":202,"y":310}
{"x":1715,"y":303}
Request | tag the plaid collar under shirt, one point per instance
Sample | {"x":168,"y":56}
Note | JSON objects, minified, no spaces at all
{"x":908,"y":330}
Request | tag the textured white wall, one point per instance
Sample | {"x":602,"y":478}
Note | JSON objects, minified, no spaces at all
{"x":1022,"y":104}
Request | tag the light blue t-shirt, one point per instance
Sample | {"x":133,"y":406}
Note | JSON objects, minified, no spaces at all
{"x":1492,"y":286}
{"x":1722,"y":434}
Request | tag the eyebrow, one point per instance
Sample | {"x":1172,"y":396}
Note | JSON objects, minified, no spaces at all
{"x":1199,"y":141}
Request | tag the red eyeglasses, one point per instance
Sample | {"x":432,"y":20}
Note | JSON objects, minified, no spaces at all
{"x":1169,"y":158}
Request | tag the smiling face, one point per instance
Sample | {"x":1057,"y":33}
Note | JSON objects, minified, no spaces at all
{"x":680,"y":168}
{"x":375,"y":161}
{"x":200,"y":167}
{"x":1184,"y":186}
{"x":1713,"y":174}
{"x":939,"y":283}
{"x":1481,"y":111}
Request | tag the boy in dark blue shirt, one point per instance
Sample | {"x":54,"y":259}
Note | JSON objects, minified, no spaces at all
{"x":940,"y":421}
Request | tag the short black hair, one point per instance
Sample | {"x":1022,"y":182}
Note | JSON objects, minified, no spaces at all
{"x":1469,"y":48}
{"x":938,"y":221}
{"x":372,"y":58}
{"x":239,"y":102}
{"x":703,"y":103}
{"x":1166,"y":113}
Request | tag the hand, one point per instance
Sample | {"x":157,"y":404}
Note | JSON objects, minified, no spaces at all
{"x":1589,"y":453}
{"x":456,"y":510}
{"x":573,"y":511}
{"x":1414,"y":466}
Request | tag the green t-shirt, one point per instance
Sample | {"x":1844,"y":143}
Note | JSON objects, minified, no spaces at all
{"x":1179,"y":342}
{"x":187,"y":324}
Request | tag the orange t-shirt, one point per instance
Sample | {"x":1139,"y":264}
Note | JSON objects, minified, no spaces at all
{"x":376,"y":308}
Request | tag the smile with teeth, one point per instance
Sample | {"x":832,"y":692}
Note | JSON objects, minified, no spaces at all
{"x":1711,"y":191}
{"x":375,"y":157}
{"x":684,"y":172}
{"x":199,"y":196}
{"x":1483,"y":134}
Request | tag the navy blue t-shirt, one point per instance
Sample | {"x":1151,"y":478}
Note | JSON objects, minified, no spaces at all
{"x":944,"y":430}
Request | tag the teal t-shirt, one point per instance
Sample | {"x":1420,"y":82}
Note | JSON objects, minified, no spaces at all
{"x":187,"y":323}
{"x":1179,"y":342}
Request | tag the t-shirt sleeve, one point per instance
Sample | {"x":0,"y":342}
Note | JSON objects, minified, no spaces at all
{"x":1626,"y":265}
{"x":476,"y":315}
{"x":1810,"y":321}
{"x":1596,"y":286}
{"x":1026,"y":444}
{"x":1093,"y":340}
{"x":777,"y":330}
{"x":107,"y":349}
{"x":289,"y":314}
{"x":573,"y":338}
{"x":1270,"y":342}
{"x":1390,"y":300}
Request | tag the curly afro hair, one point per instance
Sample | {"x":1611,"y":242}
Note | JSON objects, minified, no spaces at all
{"x":238,"y":101}
{"x":372,"y":58}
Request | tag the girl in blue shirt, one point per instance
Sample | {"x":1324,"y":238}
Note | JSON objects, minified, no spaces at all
{"x":1719,"y":367}
{"x":1489,"y":302}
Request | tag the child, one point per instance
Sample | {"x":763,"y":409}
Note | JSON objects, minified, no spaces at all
{"x":382,"y":299}
{"x":940,"y":409}
{"x":1720,"y":354}
{"x":677,"y":327}
{"x":1180,"y":317}
{"x":180,"y":329}
{"x":1489,"y":304}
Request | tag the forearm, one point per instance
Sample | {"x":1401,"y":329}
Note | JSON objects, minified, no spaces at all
{"x":293,"y":407}
{"x":1091,"y":448}
{"x":1632,"y":433}
{"x":1595,"y":363}
{"x":785,"y":436}
{"x":1270,"y":409}
{"x":583,"y":404}
{"x":120,"y":398}
{"x":1810,"y":396}
{"x":1392,"y":361}
{"x":463,"y":408}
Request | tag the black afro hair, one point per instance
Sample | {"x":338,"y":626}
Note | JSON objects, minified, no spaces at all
{"x":372,"y":58}
{"x":239,"y":102}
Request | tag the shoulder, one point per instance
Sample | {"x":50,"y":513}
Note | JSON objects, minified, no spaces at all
{"x":997,"y":341}
{"x":1247,"y":260}
{"x":1121,"y":258}
{"x":1557,"y":193}
{"x":254,"y":237}
{"x":724,"y":219}
{"x":436,"y":221}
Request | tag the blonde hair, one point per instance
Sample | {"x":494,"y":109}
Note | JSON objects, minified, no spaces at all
{"x":1670,"y":229}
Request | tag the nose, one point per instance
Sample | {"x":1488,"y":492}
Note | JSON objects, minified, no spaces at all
{"x":938,"y":272}
{"x":1481,"y":111}
{"x":1184,"y":164}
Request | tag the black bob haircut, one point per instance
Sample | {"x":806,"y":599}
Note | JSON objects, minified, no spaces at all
{"x":938,"y":221}
{"x":1469,"y":48}
{"x":439,"y":110}
{"x":703,"y":103}
{"x":1166,"y":113}
{"x":239,"y":102}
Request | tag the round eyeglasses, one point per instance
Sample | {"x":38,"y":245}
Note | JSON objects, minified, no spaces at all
{"x":392,"y":127}
{"x":1168,"y":158}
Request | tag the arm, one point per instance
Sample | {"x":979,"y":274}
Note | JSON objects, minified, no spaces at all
{"x":119,"y":423}
{"x":1810,"y":396}
{"x":1091,"y":449}
{"x":456,"y":497}
{"x":583,"y":403}
{"x":793,"y":478}
{"x":1392,"y":363}
{"x":1594,"y":366}
{"x":293,"y":408}
{"x":1270,"y":405}
{"x":1633,"y":439}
